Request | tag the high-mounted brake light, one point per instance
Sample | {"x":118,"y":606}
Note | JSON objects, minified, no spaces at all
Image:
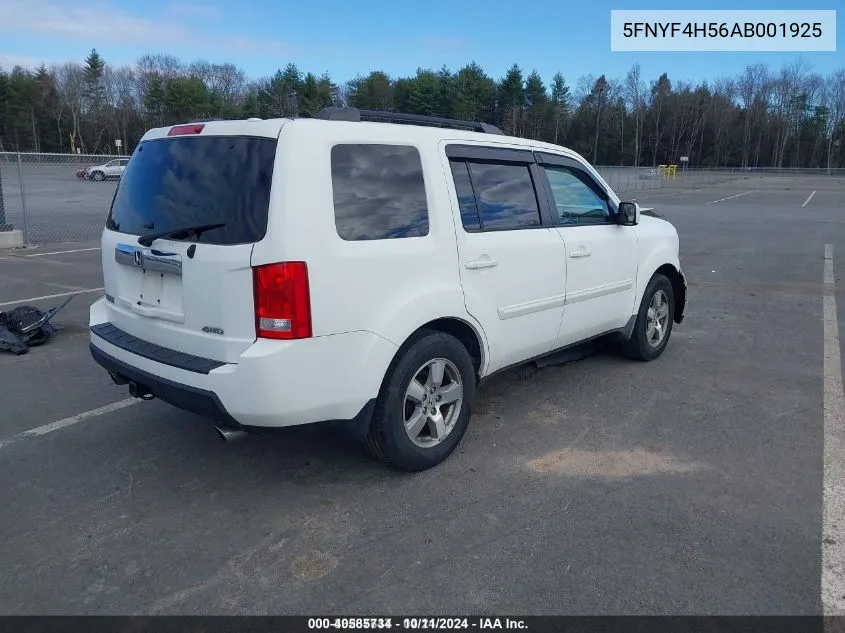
{"x":282,"y":301}
{"x":194,"y":128}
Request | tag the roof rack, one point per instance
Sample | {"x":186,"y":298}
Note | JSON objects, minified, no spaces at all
{"x":356,"y":115}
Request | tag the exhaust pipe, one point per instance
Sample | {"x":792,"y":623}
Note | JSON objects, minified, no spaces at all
{"x":230,"y":433}
{"x":117,"y":379}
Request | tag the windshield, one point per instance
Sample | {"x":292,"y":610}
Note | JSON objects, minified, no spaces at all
{"x":187,"y":181}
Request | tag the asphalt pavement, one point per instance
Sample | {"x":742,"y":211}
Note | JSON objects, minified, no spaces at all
{"x":688,"y":485}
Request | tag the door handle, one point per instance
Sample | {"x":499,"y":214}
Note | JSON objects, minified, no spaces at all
{"x":482,"y":263}
{"x":581,"y":252}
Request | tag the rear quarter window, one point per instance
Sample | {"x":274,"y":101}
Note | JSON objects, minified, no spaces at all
{"x":186,"y":181}
{"x":378,"y":191}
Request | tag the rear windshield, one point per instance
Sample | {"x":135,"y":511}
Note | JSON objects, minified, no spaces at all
{"x":187,"y":181}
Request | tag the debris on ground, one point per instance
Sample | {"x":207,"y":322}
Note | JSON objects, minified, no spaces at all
{"x":27,"y":326}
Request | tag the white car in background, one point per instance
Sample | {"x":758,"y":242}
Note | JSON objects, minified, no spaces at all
{"x":111,"y":169}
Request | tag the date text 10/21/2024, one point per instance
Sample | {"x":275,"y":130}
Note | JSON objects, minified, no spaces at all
{"x":413,"y":624}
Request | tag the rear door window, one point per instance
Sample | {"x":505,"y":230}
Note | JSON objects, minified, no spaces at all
{"x":180,"y":182}
{"x":506,"y":196}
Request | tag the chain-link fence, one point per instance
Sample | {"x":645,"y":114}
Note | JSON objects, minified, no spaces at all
{"x":626,"y":180}
{"x":56,"y":198}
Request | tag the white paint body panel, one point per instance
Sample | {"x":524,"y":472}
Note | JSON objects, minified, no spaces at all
{"x":214,"y":289}
{"x":280,"y":383}
{"x":518,"y":301}
{"x":600,"y":280}
{"x":658,"y":244}
{"x":368,"y":297}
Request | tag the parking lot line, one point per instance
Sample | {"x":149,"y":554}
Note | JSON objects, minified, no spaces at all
{"x":833,"y":522}
{"x":74,"y":419}
{"x":75,"y":250}
{"x":58,"y":294}
{"x":732,"y":197}
{"x":808,"y":200}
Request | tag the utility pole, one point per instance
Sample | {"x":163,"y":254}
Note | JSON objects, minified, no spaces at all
{"x":3,"y":225}
{"x":598,"y":114}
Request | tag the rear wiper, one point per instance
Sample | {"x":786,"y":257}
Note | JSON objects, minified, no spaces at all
{"x":199,"y":229}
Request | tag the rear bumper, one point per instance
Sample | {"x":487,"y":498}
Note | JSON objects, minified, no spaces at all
{"x":273,"y":384}
{"x":199,"y":401}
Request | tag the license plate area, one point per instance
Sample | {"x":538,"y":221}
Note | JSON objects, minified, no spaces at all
{"x":160,"y":291}
{"x":150,"y":282}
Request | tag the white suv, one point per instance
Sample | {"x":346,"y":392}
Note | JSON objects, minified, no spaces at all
{"x":268,"y":273}
{"x":112,"y":169}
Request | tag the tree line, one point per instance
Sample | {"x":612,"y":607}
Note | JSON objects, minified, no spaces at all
{"x":757,"y":117}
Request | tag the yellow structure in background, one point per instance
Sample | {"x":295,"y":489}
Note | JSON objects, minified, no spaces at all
{"x":667,"y":171}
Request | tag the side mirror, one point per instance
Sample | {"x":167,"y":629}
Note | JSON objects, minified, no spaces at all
{"x":628,"y":214}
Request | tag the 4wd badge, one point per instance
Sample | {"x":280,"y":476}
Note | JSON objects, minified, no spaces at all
{"x":212,"y":330}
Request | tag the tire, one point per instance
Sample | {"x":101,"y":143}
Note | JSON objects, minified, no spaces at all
{"x":388,"y":440}
{"x":639,"y":346}
{"x":98,"y":176}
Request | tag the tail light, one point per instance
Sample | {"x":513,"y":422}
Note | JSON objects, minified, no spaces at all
{"x":282,"y":301}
